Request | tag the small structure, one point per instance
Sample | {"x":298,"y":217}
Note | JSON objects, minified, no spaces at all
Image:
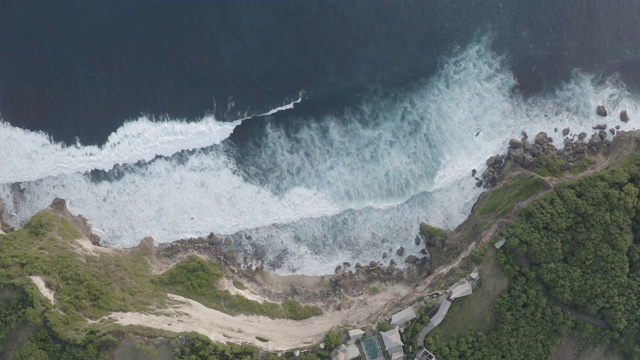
{"x":403,"y":317}
{"x":355,"y":335}
{"x":442,"y":311}
{"x":499,"y":244}
{"x":424,"y":354}
{"x":393,"y":343}
{"x":462,"y":289}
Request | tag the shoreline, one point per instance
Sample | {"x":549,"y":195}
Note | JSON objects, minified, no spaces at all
{"x":344,"y":297}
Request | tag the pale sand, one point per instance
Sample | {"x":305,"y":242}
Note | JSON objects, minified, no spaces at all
{"x":226,"y":284}
{"x":48,"y":293}
{"x":188,"y":315}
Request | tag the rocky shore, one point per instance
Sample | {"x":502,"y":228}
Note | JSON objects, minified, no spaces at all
{"x":542,"y":152}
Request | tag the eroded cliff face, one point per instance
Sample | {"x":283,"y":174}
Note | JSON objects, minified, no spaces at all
{"x":4,"y":227}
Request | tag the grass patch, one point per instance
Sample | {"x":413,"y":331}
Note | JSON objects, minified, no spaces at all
{"x":582,"y":165}
{"x":238,"y":284}
{"x":502,"y":200}
{"x":432,"y":232}
{"x":475,"y":312}
{"x":384,"y":326}
{"x":197,"y":279}
{"x":374,"y":290}
{"x":549,"y":166}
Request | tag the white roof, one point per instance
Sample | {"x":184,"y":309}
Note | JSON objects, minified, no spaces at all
{"x":499,"y":244}
{"x":403,"y":316}
{"x":391,"y":339}
{"x":442,"y":311}
{"x":461,"y":290}
{"x":355,"y":334}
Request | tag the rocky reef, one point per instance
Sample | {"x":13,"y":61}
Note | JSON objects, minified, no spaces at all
{"x":542,"y":155}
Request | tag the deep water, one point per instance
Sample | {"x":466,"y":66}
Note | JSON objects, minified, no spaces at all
{"x":326,"y":130}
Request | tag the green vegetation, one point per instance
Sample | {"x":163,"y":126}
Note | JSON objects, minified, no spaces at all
{"x":333,"y":339}
{"x":238,"y":284}
{"x":384,"y":326}
{"x":374,"y":290}
{"x":549,"y":166}
{"x":475,"y":313}
{"x":90,"y":287}
{"x":263,"y":339}
{"x":582,"y":165}
{"x":502,"y":200}
{"x":581,"y":243}
{"x":432,"y":232}
{"x":195,"y":346}
{"x":197,"y":279}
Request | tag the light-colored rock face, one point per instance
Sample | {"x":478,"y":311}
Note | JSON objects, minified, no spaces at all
{"x":46,"y":292}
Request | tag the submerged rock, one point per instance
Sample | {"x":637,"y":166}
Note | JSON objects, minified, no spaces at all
{"x":600,"y":127}
{"x":400,"y":251}
{"x":565,"y":131}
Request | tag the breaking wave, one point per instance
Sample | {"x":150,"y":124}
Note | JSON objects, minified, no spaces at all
{"x":339,"y":188}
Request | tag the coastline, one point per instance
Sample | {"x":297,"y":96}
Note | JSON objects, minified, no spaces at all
{"x":344,"y":296}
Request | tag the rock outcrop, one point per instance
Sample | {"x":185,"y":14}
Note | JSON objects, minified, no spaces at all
{"x":59,"y":206}
{"x":600,"y":110}
{"x":624,"y":117}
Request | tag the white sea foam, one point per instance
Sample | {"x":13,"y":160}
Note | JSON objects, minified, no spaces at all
{"x":339,"y":188}
{"x":29,"y":155}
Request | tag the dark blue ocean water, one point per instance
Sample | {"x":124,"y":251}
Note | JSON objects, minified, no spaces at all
{"x":81,"y":68}
{"x":139,"y":113}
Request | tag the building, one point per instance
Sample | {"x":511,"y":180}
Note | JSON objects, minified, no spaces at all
{"x":460,"y":290}
{"x":403,"y":317}
{"x":424,"y":354}
{"x":499,"y":244}
{"x":442,"y":311}
{"x":393,"y":343}
{"x":355,"y":335}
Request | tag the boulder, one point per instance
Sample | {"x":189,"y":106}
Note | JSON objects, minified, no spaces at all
{"x":600,"y":110}
{"x":516,"y":154}
{"x":624,"y":117}
{"x":515,"y":143}
{"x":338,"y":268}
{"x":412,"y":259}
{"x":582,"y":136}
{"x":473,"y":172}
{"x":595,"y":140}
{"x":400,"y":251}
{"x":526,"y":145}
{"x":373,"y":264}
{"x":228,"y":241}
{"x":525,"y":136}
{"x":541,"y":138}
{"x":565,"y":131}
{"x":417,"y":240}
{"x":385,"y":255}
{"x":479,"y":183}
{"x":600,"y":127}
{"x":392,"y":262}
{"x":612,"y":131}
{"x":215,"y":239}
{"x":602,"y":134}
{"x":527,"y":161}
{"x":346,"y":264}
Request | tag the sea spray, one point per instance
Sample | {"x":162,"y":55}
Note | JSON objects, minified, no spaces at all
{"x":339,"y":188}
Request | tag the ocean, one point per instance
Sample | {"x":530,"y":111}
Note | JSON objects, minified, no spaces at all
{"x":311,"y":132}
